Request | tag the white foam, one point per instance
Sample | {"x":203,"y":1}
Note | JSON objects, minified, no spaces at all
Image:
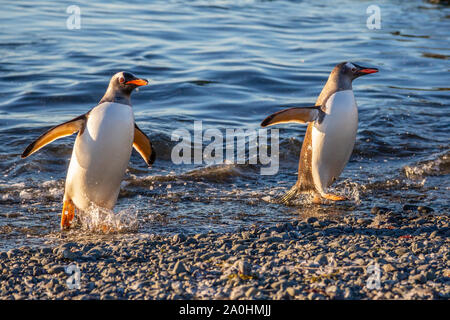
{"x":25,"y":195}
{"x":97,"y":219}
{"x":426,"y":168}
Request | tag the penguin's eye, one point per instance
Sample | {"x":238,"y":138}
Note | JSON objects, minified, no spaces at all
{"x":353,"y":69}
{"x":121,"y":79}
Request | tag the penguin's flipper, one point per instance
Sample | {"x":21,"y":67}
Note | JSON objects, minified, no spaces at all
{"x":62,"y":130}
{"x":143,"y":145}
{"x":297,"y":114}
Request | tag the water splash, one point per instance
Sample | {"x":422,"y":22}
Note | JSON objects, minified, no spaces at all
{"x":347,"y":188}
{"x":97,"y":219}
{"x":351,"y":190}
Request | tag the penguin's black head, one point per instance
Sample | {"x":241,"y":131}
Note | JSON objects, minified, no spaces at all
{"x":353,"y":71}
{"x":120,"y":87}
{"x":127,"y":82}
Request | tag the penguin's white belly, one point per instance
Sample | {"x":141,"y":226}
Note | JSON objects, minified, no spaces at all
{"x":100,"y":156}
{"x":333,"y":139}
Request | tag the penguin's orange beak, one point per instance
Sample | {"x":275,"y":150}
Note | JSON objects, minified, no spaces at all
{"x":362,"y":71}
{"x":368,"y":70}
{"x":138,"y":82}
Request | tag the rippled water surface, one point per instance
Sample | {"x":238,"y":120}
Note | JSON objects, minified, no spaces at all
{"x":229,"y":64}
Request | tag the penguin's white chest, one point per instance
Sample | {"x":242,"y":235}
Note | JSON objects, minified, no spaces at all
{"x":333,"y":138}
{"x":100,"y":156}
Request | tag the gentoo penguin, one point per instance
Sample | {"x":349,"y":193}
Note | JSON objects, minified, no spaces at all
{"x":102,"y":150}
{"x":330,"y":135}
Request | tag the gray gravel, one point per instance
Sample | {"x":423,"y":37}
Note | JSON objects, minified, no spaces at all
{"x":317,"y":258}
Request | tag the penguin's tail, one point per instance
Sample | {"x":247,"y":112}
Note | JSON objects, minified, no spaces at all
{"x":287,"y":197}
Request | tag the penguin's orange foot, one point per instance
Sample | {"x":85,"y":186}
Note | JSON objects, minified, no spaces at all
{"x":334,"y":197}
{"x":67,"y":215}
{"x":317,"y":199}
{"x":104,"y":228}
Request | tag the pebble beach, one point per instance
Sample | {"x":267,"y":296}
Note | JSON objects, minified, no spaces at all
{"x":386,"y":255}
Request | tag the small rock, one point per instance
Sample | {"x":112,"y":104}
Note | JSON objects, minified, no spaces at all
{"x":360,"y":262}
{"x":348,"y":293}
{"x":236,"y":293}
{"x":430,"y":275}
{"x":332,"y":291}
{"x":410,"y":207}
{"x":191,"y":240}
{"x":312,"y":296}
{"x":400,"y":251}
{"x":418,"y":278}
{"x":46,"y":250}
{"x":243,"y":267}
{"x":18,"y":296}
{"x":56,"y":269}
{"x":238,"y":247}
{"x":199,"y":236}
{"x":311,"y":220}
{"x":321,"y":259}
{"x":59,"y":288}
{"x":274,"y":239}
{"x":424,"y":209}
{"x":12,"y":253}
{"x":95,"y":253}
{"x":179,"y":268}
{"x":379,"y":210}
{"x":251,"y":292}
{"x":68,"y":245}
{"x":112,"y":271}
{"x":279,"y":285}
{"x":291,"y":291}
{"x":388,"y":268}
{"x":49,"y":285}
{"x":67,"y":254}
{"x":178,"y":238}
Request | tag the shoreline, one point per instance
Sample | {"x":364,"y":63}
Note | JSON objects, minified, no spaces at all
{"x":315,"y":258}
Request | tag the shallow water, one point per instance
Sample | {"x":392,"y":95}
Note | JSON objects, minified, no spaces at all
{"x":229,"y":64}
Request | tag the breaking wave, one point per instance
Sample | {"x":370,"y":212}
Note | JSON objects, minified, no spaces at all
{"x":434,"y":167}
